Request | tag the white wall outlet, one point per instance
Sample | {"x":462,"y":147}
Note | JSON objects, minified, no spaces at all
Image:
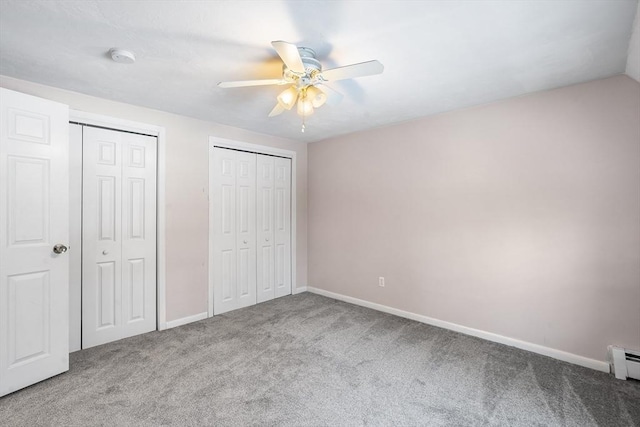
{"x":381,"y":282}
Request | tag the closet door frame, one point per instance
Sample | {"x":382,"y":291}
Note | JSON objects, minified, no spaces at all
{"x":258,"y":149}
{"x":99,"y":120}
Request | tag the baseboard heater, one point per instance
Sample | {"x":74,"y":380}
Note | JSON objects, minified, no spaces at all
{"x":625,"y":363}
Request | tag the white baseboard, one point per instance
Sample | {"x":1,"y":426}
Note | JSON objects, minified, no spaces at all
{"x":184,"y":321}
{"x":196,"y":317}
{"x":524,"y":345}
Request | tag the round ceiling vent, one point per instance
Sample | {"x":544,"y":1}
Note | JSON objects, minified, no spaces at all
{"x":122,"y":56}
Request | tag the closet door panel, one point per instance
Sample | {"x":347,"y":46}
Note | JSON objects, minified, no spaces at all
{"x":234,"y":229}
{"x":282,"y":226}
{"x":101,"y":232}
{"x":246,"y":228}
{"x":139,"y":234}
{"x":224,"y":258}
{"x":265,"y":233}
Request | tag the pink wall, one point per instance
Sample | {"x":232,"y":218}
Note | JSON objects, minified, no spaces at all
{"x":520,"y":218}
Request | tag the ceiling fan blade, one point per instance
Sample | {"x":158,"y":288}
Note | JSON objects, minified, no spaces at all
{"x":290,"y":55}
{"x":333,"y":96}
{"x":355,"y":70}
{"x":244,"y":83}
{"x":277,"y":110}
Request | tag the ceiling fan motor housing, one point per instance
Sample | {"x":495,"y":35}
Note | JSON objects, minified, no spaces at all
{"x":308,"y":57}
{"x":311,"y":65}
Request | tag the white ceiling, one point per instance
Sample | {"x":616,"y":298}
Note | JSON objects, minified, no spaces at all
{"x":438,"y":55}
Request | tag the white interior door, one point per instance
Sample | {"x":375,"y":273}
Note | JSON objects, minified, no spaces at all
{"x":118,"y":235}
{"x":233,"y":224}
{"x":34,"y":190}
{"x":266,"y":232}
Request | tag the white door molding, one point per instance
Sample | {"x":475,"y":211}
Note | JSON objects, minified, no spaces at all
{"x":259,"y":149}
{"x":75,"y":237}
{"x":115,"y":123}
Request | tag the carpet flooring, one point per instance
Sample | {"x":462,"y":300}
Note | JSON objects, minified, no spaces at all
{"x":307,"y":360}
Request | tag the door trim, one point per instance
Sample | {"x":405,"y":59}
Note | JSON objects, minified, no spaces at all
{"x":159,"y":132}
{"x":259,"y":149}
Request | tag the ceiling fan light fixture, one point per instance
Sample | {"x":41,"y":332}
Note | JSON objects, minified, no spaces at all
{"x":318,"y":98}
{"x":288,"y":97}
{"x":302,"y":72}
{"x":305,"y":107}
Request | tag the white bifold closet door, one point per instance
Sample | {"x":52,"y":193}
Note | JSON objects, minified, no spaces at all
{"x":34,"y":235}
{"x":118,"y":235}
{"x":251,"y":228}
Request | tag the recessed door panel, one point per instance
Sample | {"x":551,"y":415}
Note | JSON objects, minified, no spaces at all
{"x":106,"y":295}
{"x":266,"y":270}
{"x":29,"y":313}
{"x":227,"y":205}
{"x":228,"y":265}
{"x":243,"y":208}
{"x":107,"y":208}
{"x":136,"y":208}
{"x":280,"y":209}
{"x":280,"y":265}
{"x":28,"y":200}
{"x":136,"y":156}
{"x":28,"y":126}
{"x":34,"y":216}
{"x":266,"y":211}
{"x":244,"y":260}
{"x":136,"y":285}
{"x":106,"y":153}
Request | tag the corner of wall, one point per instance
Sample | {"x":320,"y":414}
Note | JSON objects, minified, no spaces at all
{"x":633,"y":58}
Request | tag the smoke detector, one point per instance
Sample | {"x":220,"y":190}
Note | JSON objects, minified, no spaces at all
{"x":122,"y":56}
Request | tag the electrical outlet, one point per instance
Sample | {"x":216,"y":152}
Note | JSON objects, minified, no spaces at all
{"x":381,"y":282}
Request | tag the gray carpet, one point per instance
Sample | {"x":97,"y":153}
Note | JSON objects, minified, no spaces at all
{"x":310,"y":360}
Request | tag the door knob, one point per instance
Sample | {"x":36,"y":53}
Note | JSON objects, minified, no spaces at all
{"x":245,"y":242}
{"x":266,"y":239}
{"x":59,"y":249}
{"x":105,"y":252}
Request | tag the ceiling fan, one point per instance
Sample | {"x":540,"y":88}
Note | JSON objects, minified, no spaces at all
{"x":307,"y":82}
